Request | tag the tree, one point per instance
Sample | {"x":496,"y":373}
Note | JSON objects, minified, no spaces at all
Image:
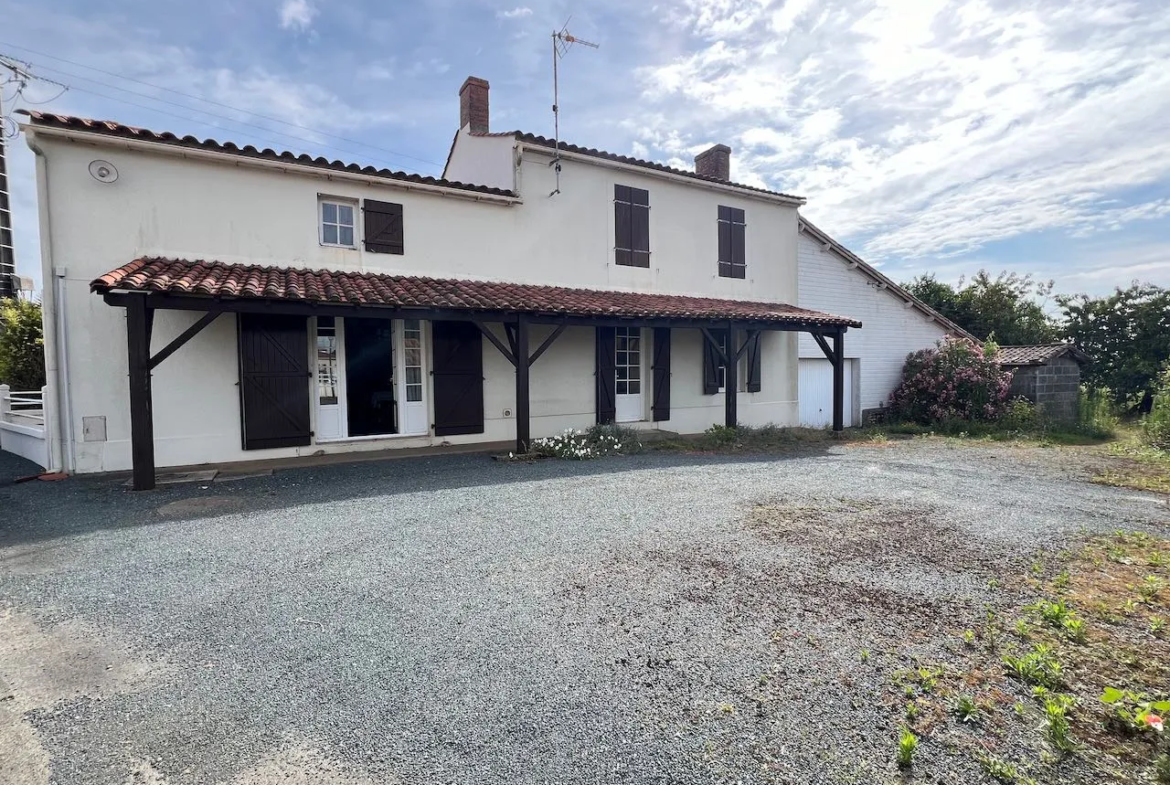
{"x":22,"y":345}
{"x":1127,"y":336}
{"x":1008,"y":308}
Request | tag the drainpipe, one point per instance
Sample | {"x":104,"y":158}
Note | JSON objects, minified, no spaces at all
{"x":53,"y":326}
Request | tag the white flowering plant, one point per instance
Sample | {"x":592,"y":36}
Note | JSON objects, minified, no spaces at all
{"x":597,"y":442}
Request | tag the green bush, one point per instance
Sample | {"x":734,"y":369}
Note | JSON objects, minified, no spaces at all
{"x":22,"y":345}
{"x":1156,"y":424}
{"x":960,"y":380}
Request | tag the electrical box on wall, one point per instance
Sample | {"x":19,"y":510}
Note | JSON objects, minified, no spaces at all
{"x":93,"y":429}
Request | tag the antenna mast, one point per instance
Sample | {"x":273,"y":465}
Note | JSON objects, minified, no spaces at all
{"x":562,"y":41}
{"x":20,"y":74}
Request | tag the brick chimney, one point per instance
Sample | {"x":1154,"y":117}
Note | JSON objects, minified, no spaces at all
{"x":473,"y":105}
{"x":715,"y":162}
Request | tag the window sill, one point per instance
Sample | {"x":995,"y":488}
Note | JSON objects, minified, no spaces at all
{"x":339,"y":247}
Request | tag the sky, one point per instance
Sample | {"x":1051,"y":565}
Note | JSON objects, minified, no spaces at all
{"x":942,"y":136}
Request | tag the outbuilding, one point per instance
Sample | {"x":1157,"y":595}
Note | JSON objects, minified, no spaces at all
{"x":1048,"y":375}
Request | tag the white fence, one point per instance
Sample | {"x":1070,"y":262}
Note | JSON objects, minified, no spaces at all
{"x":22,"y":424}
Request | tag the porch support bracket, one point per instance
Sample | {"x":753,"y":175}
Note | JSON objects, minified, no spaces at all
{"x":547,"y":342}
{"x":508,"y":355}
{"x":183,"y":337}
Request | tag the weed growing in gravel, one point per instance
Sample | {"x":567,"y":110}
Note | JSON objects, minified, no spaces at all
{"x":1157,"y":627}
{"x":907,"y":747}
{"x":1022,"y":628}
{"x":1134,"y":712}
{"x":1149,"y":588}
{"x":1038,"y":666}
{"x":865,"y":655}
{"x":1057,"y":614}
{"x":1056,"y":723}
{"x":1162,"y":768}
{"x":1000,"y":770}
{"x":969,"y":637}
{"x":966,"y":709}
{"x":911,"y":711}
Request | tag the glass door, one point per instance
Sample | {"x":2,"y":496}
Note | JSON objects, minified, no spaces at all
{"x":330,"y":372}
{"x":371,"y":402}
{"x":628,"y":374}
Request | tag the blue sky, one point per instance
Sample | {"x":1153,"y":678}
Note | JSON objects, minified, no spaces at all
{"x":931,"y":135}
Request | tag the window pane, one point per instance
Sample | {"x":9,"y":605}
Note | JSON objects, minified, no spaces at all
{"x":413,"y":356}
{"x":347,"y":235}
{"x":635,"y":372}
{"x":621,"y":388}
{"x":622,"y":358}
{"x":329,"y":234}
{"x":329,"y":212}
{"x":620,"y":372}
{"x":414,"y":375}
{"x":635,"y":344}
{"x":345,"y":214}
{"x":414,"y":393}
{"x":411,"y":325}
{"x":635,"y":388}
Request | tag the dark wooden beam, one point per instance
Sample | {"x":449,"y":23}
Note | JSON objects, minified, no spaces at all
{"x":714,"y":344}
{"x":139,"y":320}
{"x":164,"y":301}
{"x":747,"y":340}
{"x":510,"y":356}
{"x":183,"y":337}
{"x":821,"y":342}
{"x":523,"y":424}
{"x":547,"y":343}
{"x":730,"y":380}
{"x":510,"y":332}
{"x":839,"y":381}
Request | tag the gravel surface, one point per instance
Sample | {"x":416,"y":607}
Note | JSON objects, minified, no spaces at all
{"x":653,"y":619}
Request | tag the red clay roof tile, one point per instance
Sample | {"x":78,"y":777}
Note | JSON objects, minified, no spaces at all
{"x":216,"y":279}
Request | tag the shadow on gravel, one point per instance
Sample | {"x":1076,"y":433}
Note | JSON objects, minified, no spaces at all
{"x":38,"y":511}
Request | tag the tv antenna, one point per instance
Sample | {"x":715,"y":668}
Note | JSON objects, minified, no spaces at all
{"x":562,"y":42}
{"x":19,"y":73}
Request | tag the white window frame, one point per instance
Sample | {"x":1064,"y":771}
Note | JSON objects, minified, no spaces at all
{"x":321,"y":222}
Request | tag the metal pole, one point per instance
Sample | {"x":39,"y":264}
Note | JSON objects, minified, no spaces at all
{"x":7,"y":251}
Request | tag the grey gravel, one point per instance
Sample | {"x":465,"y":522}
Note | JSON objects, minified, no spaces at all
{"x":459,"y":620}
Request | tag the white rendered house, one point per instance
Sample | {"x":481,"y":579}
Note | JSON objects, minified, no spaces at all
{"x":207,"y":304}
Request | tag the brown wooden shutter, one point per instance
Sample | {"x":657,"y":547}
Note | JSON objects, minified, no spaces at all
{"x":606,"y":375}
{"x":457,"y":361}
{"x":631,"y":226}
{"x":383,"y":227}
{"x":732,"y":243}
{"x":660,"y":401}
{"x":711,"y":363}
{"x":754,"y":365}
{"x":275,"y":381}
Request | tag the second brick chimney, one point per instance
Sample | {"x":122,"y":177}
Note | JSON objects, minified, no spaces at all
{"x":473,"y":105}
{"x":715,"y":162}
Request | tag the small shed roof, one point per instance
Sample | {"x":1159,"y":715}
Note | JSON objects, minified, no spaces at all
{"x":1039,"y":354}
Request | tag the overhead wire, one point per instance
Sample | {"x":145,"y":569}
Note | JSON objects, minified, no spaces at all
{"x":394,"y":153}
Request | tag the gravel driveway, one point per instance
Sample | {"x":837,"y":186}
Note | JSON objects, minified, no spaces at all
{"x":653,"y":619}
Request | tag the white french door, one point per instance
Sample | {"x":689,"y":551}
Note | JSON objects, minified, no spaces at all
{"x":378,"y":377}
{"x":628,"y":374}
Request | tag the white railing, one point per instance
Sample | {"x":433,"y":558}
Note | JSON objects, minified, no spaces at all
{"x":22,"y":424}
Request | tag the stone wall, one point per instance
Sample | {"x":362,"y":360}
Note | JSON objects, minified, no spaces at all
{"x":1053,"y":387}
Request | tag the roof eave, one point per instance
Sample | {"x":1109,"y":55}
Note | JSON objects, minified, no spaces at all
{"x":34,"y":129}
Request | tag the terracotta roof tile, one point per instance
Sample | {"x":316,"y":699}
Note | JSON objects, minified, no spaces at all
{"x":1038,"y":354}
{"x":110,"y":128}
{"x":216,"y":279}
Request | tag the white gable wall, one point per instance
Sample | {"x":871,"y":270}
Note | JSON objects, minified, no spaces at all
{"x":889,"y":332}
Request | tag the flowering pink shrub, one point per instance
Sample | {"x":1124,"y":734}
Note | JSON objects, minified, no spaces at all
{"x":960,"y":380}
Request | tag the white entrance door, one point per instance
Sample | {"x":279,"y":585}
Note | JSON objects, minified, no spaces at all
{"x":413,"y":411}
{"x":816,"y":393}
{"x":628,"y":374}
{"x":330,"y":372}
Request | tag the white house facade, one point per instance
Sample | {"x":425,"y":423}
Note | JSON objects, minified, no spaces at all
{"x":209,"y":304}
{"x":833,"y":278}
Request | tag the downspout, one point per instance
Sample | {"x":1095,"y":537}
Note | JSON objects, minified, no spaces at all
{"x":53,"y":325}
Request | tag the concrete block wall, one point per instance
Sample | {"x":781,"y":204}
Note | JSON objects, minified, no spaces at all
{"x":1058,"y":385}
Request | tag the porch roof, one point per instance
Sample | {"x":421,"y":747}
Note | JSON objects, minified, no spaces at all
{"x":210,"y":279}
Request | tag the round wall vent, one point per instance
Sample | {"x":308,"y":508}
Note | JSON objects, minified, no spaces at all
{"x":103,"y":171}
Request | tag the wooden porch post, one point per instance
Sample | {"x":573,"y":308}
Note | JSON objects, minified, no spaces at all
{"x":839,"y":380}
{"x":522,"y":363}
{"x":730,"y":380}
{"x":139,"y":321}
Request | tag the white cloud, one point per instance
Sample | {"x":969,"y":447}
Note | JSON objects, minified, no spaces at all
{"x":296,"y":14}
{"x":933,"y":128}
{"x":519,"y":12}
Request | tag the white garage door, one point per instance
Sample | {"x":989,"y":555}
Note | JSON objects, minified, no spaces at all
{"x":816,"y":393}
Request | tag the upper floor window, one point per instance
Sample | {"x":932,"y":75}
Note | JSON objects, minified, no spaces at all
{"x":337,"y":223}
{"x":732,"y":258}
{"x":631,"y":226}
